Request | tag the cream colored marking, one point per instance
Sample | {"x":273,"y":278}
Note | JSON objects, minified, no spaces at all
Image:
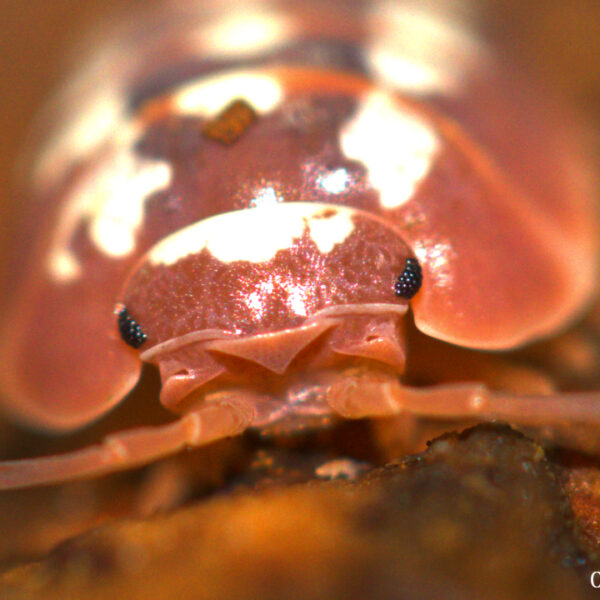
{"x":207,"y":96}
{"x":415,"y":49}
{"x":63,"y":265}
{"x":326,"y":233}
{"x":257,"y":234}
{"x":94,"y":125}
{"x":89,"y":112}
{"x":405,"y":73}
{"x":111,"y":198}
{"x":100,"y":118}
{"x":244,"y":31}
{"x":117,"y":201}
{"x":396,"y":146}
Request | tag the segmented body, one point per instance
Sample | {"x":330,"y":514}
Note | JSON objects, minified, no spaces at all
{"x":219,"y":211}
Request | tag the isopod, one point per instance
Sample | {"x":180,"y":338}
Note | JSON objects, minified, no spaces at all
{"x":255,"y":214}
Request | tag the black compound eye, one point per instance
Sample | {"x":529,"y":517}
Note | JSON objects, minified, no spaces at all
{"x":131,"y":332}
{"x":410,"y":280}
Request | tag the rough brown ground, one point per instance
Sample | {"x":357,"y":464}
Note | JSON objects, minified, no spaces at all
{"x":480,"y":515}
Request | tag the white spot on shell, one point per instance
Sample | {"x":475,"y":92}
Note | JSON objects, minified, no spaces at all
{"x":111,"y":198}
{"x":99,"y":118}
{"x":419,"y":50}
{"x":115,"y":201}
{"x":395,"y":144}
{"x":209,"y":95}
{"x":63,"y":265}
{"x":257,"y":234}
{"x":90,"y":112}
{"x":241,"y":33}
{"x":326,"y":233}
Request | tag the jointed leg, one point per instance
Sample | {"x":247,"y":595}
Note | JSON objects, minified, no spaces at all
{"x":572,"y":419}
{"x":127,"y":449}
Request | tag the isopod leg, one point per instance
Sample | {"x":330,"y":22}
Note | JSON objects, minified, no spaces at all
{"x":130,"y":448}
{"x":572,"y":419}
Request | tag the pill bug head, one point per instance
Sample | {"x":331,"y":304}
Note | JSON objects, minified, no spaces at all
{"x":252,"y":290}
